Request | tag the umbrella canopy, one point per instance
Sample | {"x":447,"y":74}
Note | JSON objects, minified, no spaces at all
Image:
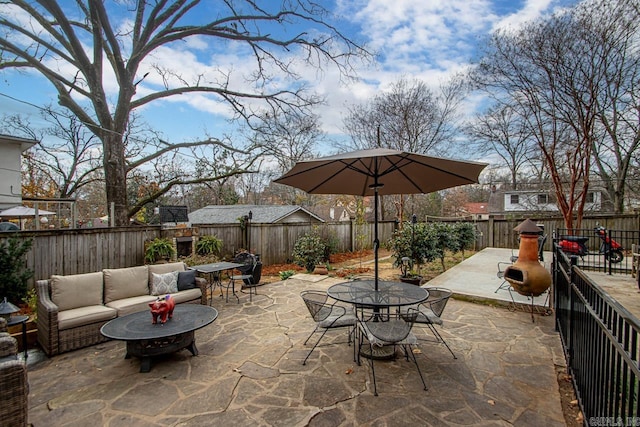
{"x":380,"y":171}
{"x":390,"y":171}
{"x":23,"y":211}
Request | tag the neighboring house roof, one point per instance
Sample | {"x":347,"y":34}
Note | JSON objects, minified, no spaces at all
{"x":25,"y":143}
{"x":263,"y":214}
{"x":477,"y":208}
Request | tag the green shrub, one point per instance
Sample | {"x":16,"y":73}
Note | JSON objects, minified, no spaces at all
{"x":284,"y":275}
{"x":417,"y":242}
{"x":445,"y":238}
{"x":466,"y":236}
{"x":208,"y":245}
{"x":158,"y":249}
{"x":13,"y":271}
{"x":308,"y":251}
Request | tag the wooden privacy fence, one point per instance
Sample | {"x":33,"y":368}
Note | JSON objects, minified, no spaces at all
{"x":84,"y":250}
{"x":65,"y":251}
{"x":75,"y":251}
{"x":275,"y":242}
{"x":498,"y":233}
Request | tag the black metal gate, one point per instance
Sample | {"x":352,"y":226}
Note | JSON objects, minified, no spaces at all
{"x":600,"y":341}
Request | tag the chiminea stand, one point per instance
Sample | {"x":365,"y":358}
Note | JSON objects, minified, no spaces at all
{"x":540,"y":309}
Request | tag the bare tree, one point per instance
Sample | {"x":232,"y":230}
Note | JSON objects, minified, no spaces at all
{"x":618,"y":104}
{"x":553,"y":73}
{"x":409,"y":117}
{"x":284,"y":138}
{"x":288,"y":137}
{"x":77,"y":46}
{"x":501,"y":131}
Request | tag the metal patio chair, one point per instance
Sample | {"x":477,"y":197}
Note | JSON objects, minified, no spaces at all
{"x":393,"y":332}
{"x":247,"y":273}
{"x":430,"y":313}
{"x":327,"y":316}
{"x":505,"y":284}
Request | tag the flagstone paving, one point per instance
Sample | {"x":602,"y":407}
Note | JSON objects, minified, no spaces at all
{"x":249,"y":372}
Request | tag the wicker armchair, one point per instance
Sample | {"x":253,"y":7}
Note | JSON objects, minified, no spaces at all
{"x":14,"y":388}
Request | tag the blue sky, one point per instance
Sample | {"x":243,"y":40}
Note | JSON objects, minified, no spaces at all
{"x":428,"y":40}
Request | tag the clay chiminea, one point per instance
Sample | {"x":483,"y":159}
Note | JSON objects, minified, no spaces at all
{"x":527,"y":276}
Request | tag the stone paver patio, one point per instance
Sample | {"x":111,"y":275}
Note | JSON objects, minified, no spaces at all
{"x":249,"y":372}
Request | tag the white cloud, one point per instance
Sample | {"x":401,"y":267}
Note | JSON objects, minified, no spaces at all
{"x":532,"y":9}
{"x":429,"y":40}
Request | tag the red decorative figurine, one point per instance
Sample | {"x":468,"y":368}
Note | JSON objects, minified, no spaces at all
{"x":162,"y":307}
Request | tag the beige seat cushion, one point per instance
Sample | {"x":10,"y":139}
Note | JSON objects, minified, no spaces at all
{"x":131,"y":305}
{"x":82,"y":316}
{"x":77,"y":290}
{"x":188,"y":295}
{"x":120,"y":283}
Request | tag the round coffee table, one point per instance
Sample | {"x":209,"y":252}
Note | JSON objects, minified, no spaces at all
{"x":146,"y":340}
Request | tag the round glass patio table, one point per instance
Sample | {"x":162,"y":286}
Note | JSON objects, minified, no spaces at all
{"x":363,"y":295}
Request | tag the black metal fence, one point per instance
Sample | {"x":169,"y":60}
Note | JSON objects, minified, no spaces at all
{"x":600,"y":341}
{"x":608,"y":251}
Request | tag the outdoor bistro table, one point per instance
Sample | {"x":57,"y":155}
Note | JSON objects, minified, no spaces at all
{"x":215,"y":278}
{"x":362,"y":294}
{"x":145,"y":339}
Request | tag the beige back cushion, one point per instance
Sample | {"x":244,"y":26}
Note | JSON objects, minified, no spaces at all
{"x":77,"y":290}
{"x":165,"y":268}
{"x":122,"y":283}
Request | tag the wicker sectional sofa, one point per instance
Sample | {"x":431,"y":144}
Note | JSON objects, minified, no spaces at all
{"x":14,"y":387}
{"x":72,"y":309}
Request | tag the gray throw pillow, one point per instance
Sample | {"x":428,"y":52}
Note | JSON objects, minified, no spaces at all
{"x":186,"y":280}
{"x":164,"y":283}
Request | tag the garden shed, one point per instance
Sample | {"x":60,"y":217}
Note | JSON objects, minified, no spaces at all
{"x":258,"y":214}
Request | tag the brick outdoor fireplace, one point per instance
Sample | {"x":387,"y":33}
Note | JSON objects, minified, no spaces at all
{"x":184,"y":239}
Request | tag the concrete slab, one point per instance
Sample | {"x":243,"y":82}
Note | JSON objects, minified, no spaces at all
{"x":621,"y":287}
{"x":476,"y":279}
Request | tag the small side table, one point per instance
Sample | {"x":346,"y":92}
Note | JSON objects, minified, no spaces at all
{"x":14,"y":320}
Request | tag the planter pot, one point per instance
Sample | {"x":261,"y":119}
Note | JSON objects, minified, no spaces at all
{"x":320,"y":269}
{"x":417,"y":280}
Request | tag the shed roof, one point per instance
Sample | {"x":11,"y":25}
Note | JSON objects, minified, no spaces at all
{"x":264,"y":214}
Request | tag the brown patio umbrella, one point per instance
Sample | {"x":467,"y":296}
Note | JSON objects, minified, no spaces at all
{"x":380,"y":171}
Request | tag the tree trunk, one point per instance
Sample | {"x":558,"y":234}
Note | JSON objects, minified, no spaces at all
{"x":116,"y":177}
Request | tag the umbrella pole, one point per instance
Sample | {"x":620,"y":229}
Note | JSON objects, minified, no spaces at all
{"x":376,"y":241}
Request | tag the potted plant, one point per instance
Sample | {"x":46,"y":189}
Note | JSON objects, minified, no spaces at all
{"x":321,"y":269}
{"x":309,"y":251}
{"x":407,"y":274}
{"x":412,"y":245}
{"x":159,"y":249}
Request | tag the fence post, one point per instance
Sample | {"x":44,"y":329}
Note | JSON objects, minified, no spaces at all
{"x":490,"y":231}
{"x":352,"y":233}
{"x":569,"y":337}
